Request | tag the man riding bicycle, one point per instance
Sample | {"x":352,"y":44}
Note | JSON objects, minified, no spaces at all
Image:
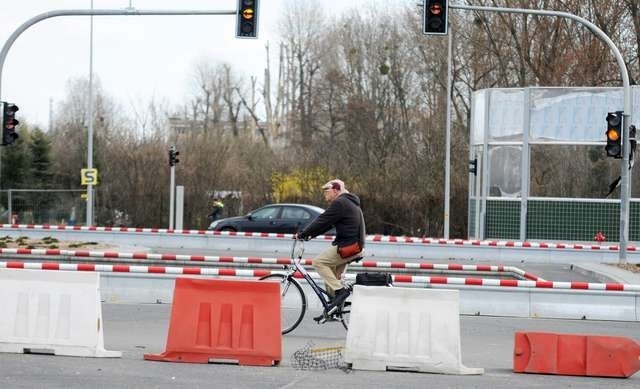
{"x":345,"y":215}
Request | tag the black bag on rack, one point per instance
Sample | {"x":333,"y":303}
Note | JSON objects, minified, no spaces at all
{"x":374,"y":279}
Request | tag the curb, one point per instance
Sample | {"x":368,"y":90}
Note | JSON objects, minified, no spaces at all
{"x":607,"y":273}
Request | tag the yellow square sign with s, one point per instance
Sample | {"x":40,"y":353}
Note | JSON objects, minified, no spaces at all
{"x":88,"y":176}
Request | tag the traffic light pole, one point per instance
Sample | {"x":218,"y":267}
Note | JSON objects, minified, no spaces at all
{"x":97,"y":12}
{"x":624,"y":164}
{"x":172,"y":196}
{"x":93,"y":12}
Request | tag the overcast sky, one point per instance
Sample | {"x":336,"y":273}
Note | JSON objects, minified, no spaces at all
{"x":135,"y":57}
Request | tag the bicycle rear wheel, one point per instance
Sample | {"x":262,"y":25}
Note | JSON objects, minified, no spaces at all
{"x":293,"y":301}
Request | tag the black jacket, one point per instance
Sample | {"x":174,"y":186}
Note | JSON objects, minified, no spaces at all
{"x":345,"y":215}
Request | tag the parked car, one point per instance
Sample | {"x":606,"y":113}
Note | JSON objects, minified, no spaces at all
{"x":277,"y":218}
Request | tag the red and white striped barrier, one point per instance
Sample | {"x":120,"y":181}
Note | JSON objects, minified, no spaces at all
{"x":266,"y":261}
{"x":398,"y":278}
{"x":369,"y":238}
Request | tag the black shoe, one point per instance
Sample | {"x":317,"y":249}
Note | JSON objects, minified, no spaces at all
{"x":341,"y":296}
{"x":320,"y":317}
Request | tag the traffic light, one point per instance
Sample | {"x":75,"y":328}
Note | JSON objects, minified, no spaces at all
{"x":9,"y":123}
{"x":173,"y":154}
{"x":473,"y":168}
{"x":614,"y":134}
{"x":247,"y":21}
{"x":435,"y":17}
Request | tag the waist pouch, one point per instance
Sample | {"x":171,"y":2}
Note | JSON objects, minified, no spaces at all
{"x":349,"y":250}
{"x":374,"y":279}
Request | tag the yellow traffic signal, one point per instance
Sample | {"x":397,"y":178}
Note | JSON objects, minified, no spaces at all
{"x":247,"y":21}
{"x":614,"y":135}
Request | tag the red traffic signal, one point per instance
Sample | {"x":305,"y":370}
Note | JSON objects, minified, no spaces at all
{"x":9,"y":123}
{"x":435,"y":17}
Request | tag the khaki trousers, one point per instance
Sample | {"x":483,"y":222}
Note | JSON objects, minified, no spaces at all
{"x":330,"y":265}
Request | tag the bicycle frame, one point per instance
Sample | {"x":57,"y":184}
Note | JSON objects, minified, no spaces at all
{"x":321,"y":293}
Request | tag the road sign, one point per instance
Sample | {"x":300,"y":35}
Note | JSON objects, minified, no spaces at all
{"x":89,"y":176}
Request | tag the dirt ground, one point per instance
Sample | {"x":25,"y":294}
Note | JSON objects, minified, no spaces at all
{"x":50,"y":243}
{"x":629,"y":266}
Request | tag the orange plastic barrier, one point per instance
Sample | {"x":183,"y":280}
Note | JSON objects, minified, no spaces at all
{"x":224,"y":320}
{"x":569,"y":354}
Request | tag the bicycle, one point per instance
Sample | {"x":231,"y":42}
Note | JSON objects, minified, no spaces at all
{"x":294,"y":299}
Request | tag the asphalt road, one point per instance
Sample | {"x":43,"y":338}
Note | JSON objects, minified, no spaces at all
{"x":487,"y":342}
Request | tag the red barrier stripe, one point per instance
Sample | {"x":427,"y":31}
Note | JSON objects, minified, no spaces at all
{"x":50,"y":266}
{"x":156,"y":269}
{"x":544,"y":284}
{"x":140,"y":256}
{"x":438,"y":280}
{"x":199,"y":258}
{"x":15,"y":265}
{"x":508,"y":283}
{"x":254,"y":260}
{"x":81,"y":253}
{"x":110,"y":254}
{"x":402,"y":278}
{"x":473,"y":281}
{"x":579,"y":285}
{"x":283,"y":261}
{"x":530,"y":276}
{"x":261,"y":273}
{"x":168,"y":257}
{"x":86,"y":267}
{"x":454,"y":266}
{"x":483,"y":268}
{"x":121,"y":268}
{"x":225,"y":259}
{"x":614,"y":287}
{"x":52,"y":252}
{"x":23,"y":251}
{"x":227,"y":272}
{"x":398,"y":265}
{"x":426,"y":266}
{"x":369,"y":264}
{"x":191,"y":270}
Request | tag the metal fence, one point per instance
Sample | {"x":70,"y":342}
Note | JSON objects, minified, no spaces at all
{"x":550,"y":218}
{"x":43,"y":206}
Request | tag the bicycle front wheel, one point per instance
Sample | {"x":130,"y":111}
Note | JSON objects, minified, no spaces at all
{"x":293,"y":301}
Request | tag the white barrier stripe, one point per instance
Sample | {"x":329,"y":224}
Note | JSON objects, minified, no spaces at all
{"x":370,"y":238}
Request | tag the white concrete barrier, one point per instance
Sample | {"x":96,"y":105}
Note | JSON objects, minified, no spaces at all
{"x":51,"y":312}
{"x":405,"y":329}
